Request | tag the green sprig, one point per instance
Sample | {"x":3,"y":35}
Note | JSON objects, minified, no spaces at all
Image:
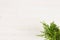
{"x":51,"y":32}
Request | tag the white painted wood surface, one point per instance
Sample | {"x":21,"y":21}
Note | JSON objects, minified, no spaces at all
{"x":20,"y":19}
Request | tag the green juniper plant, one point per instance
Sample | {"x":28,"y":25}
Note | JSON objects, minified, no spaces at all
{"x":51,"y":32}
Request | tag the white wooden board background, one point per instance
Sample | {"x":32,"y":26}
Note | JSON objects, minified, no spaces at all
{"x":20,"y":19}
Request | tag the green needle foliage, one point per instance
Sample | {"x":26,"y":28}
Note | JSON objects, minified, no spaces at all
{"x":51,"y":32}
